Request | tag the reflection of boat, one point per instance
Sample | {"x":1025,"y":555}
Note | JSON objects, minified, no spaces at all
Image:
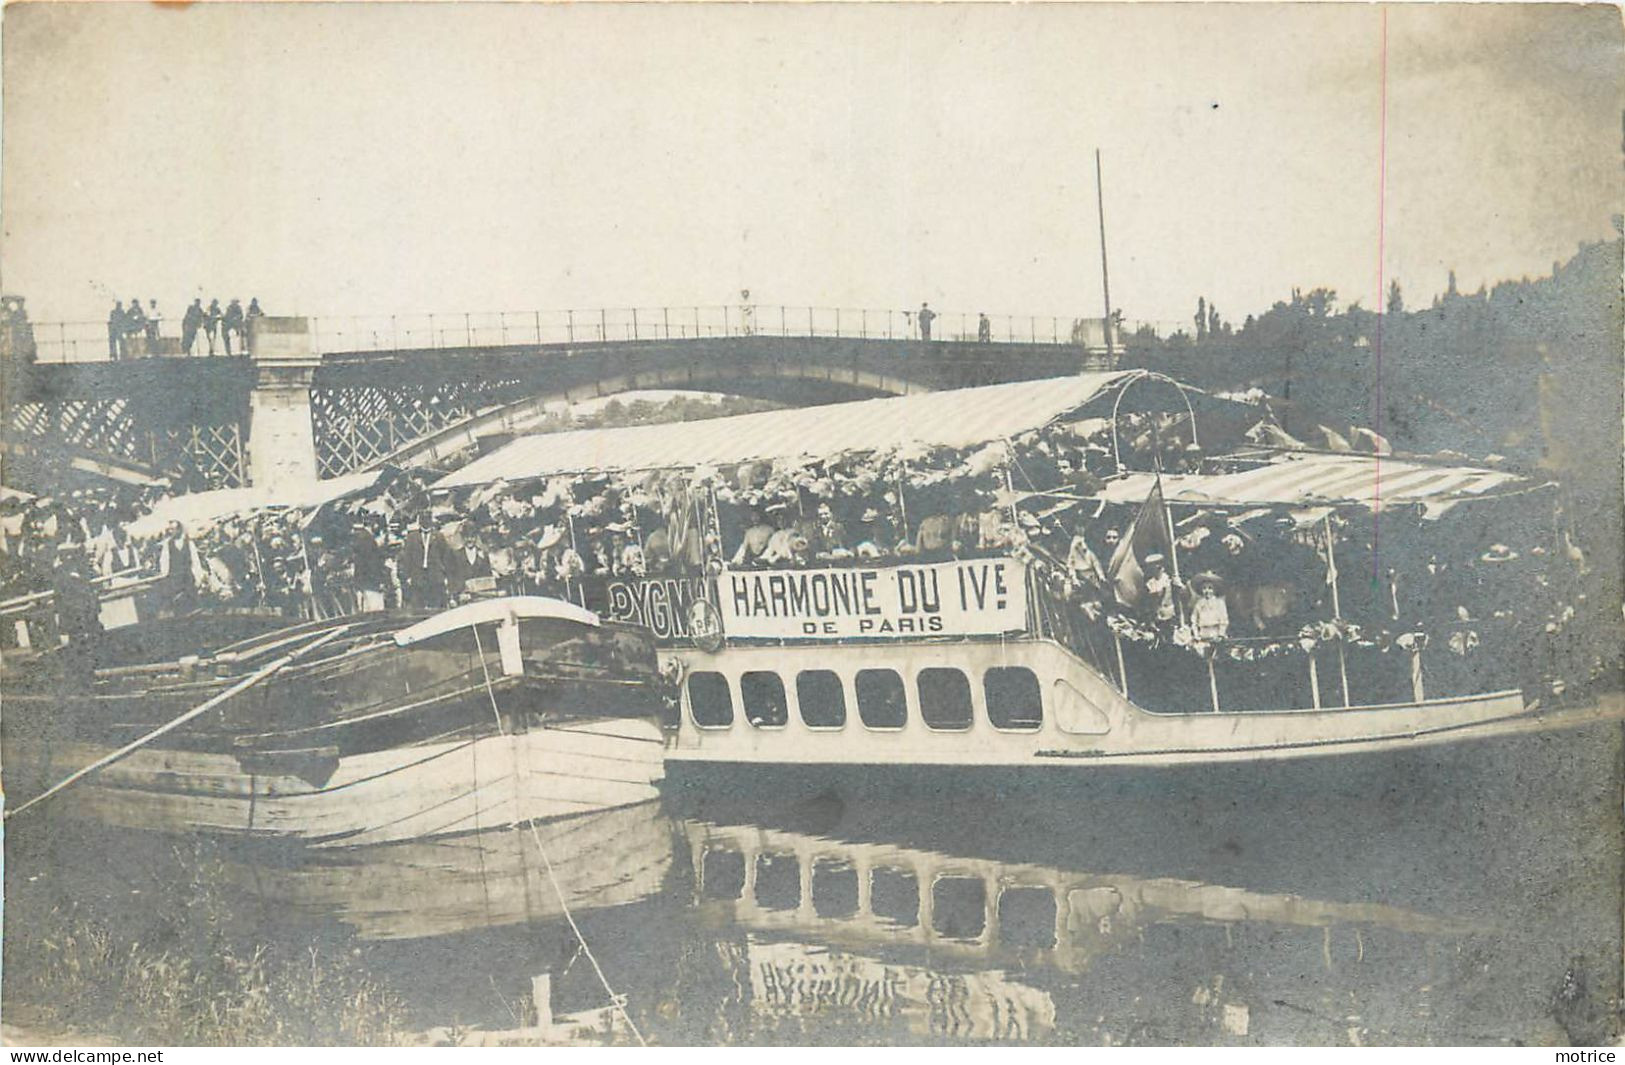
{"x":476,"y":880}
{"x":370,"y":730}
{"x":790,"y":978}
{"x":873,"y":896}
{"x":878,"y":936}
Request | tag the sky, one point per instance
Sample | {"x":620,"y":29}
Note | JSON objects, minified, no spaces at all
{"x":381,"y":159}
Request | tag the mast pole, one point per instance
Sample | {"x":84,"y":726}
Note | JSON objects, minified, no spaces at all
{"x":1105,"y":279}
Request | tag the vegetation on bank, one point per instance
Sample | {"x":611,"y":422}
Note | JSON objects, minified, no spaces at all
{"x":178,"y":972}
{"x":1526,"y":370}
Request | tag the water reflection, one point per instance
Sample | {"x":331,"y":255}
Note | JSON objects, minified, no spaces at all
{"x":441,"y":886}
{"x":1045,"y":916}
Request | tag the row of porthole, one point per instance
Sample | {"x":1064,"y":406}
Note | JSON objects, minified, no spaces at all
{"x":1011,"y":695}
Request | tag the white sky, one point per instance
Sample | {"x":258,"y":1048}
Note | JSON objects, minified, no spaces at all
{"x":390,"y":159}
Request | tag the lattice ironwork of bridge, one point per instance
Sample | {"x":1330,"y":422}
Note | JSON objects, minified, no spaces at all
{"x":191,"y":419}
{"x":134,"y":423}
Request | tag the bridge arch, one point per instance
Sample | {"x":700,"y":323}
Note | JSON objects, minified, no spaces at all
{"x":811,"y":384}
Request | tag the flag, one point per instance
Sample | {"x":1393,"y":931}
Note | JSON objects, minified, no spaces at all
{"x":682,"y":529}
{"x":1146,"y":536}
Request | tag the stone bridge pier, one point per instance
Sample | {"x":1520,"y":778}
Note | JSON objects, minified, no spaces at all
{"x":282,"y":450}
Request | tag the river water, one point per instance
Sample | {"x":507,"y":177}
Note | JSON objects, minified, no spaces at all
{"x":1461,"y":895}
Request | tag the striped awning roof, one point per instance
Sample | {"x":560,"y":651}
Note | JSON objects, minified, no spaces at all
{"x":1307,"y":479}
{"x":956,"y":418}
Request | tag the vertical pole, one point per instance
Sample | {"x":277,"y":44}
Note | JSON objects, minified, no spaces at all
{"x":1168,"y":524}
{"x":864,"y":323}
{"x":570,"y":325}
{"x":784,"y":329}
{"x":541,"y":995}
{"x":837,"y":321}
{"x":1105,"y":279}
{"x":665,"y":318}
{"x":902,"y":499}
{"x":1314,"y":682}
{"x":635,"y":324}
{"x":603,"y":324}
{"x":696,"y":323}
{"x":468,"y":330}
{"x":537,"y":315}
{"x":1122,"y":669}
{"x":1212,"y":684}
{"x":1337,"y":611}
{"x":1418,"y":692}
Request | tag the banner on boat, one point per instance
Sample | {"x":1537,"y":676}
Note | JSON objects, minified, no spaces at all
{"x":663,"y":605}
{"x":972,"y":597}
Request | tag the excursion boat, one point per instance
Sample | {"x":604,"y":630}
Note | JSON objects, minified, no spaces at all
{"x":987,"y":657}
{"x":371,"y":729}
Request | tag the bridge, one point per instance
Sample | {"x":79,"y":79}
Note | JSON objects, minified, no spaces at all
{"x":322,"y":397}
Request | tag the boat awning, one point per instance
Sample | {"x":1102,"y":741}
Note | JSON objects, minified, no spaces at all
{"x":197,"y":509}
{"x":1307,"y":480}
{"x":489,"y":611}
{"x":956,"y":418}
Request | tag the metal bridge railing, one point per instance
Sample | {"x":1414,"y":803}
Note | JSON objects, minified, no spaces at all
{"x":69,"y":342}
{"x":58,"y":342}
{"x":518,"y":328}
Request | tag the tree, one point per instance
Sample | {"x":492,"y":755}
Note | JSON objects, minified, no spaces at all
{"x":1396,"y":301}
{"x":1201,"y":317}
{"x":1213,"y":325}
{"x":1321,"y":302}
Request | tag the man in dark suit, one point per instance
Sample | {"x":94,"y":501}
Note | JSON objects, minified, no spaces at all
{"x":118,"y":323}
{"x":464,"y":564}
{"x":190,"y":323}
{"x":421,"y":570}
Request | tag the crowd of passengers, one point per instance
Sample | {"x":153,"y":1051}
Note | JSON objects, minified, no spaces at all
{"x":402,"y":543}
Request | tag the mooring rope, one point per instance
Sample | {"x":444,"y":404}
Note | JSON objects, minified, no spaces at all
{"x":209,"y":704}
{"x":615,"y":1000}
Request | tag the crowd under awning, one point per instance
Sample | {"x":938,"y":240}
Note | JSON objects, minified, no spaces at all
{"x":198,"y":509}
{"x":1311,"y":479}
{"x":958,"y":418}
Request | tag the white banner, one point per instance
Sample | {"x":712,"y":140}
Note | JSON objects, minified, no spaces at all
{"x":974,"y":597}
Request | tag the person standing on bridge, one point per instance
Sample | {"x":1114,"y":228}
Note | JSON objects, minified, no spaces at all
{"x":117,"y":323}
{"x":211,"y":324}
{"x":233,"y":323}
{"x":984,"y":329}
{"x":189,"y":325}
{"x":135,"y":322}
{"x":926,"y":317}
{"x":152,"y":327}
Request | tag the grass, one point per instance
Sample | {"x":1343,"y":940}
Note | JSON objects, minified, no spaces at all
{"x":188,"y":974}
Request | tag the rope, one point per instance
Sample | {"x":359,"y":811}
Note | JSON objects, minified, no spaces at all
{"x":210,"y":704}
{"x":617,"y":1001}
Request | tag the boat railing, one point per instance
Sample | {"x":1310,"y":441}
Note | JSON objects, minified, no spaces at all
{"x":1335,"y":667}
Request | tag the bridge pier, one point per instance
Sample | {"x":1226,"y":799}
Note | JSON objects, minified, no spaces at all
{"x":282,"y":439}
